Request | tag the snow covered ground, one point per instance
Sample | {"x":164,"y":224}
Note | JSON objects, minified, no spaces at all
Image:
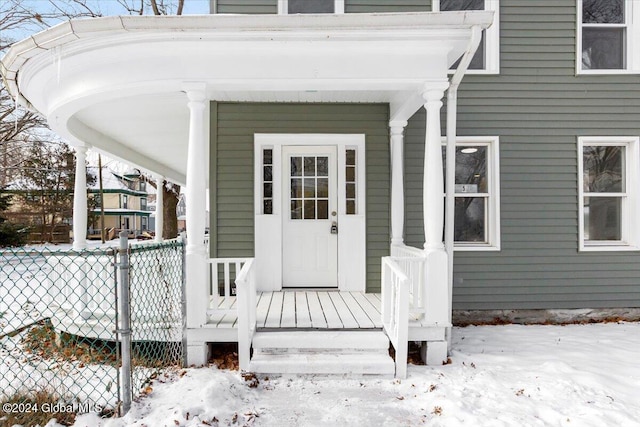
{"x":579,"y":375}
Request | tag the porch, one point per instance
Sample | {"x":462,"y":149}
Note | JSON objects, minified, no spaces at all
{"x":308,"y":310}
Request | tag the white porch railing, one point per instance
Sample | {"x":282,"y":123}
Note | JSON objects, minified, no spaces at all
{"x":240,"y":300}
{"x":247,"y":296}
{"x":412,"y":261}
{"x":395,"y":319}
{"x":223,"y":274}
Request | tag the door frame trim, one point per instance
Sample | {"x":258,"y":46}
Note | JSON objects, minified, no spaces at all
{"x":268,"y":228}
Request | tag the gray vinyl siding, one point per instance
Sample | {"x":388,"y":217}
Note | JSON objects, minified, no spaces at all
{"x":371,"y":6}
{"x":538,"y":107}
{"x":350,"y":6}
{"x":247,"y":6}
{"x":233,"y":126}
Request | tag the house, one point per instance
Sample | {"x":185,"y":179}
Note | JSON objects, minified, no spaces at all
{"x":124,"y":203}
{"x":315,"y":128}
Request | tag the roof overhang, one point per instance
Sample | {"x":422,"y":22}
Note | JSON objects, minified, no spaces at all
{"x":116,"y":83}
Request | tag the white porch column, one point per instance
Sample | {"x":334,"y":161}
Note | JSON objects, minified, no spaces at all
{"x":197,"y":295}
{"x":80,"y":200}
{"x":159,"y":208}
{"x":436,"y":279}
{"x":397,"y":181}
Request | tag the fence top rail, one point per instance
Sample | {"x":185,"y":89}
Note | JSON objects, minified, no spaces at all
{"x":26,"y":252}
{"x":395,"y":268}
{"x":152,"y":245}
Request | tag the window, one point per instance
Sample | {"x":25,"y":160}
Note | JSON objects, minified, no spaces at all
{"x":487,"y":57}
{"x":309,"y":187}
{"x":143,"y":185}
{"x":608,"y":176}
{"x":143,"y":203}
{"x":125,"y":201}
{"x":310,"y":6}
{"x":267,"y":181}
{"x":608,"y":34}
{"x":144,"y":223}
{"x":351,"y":181}
{"x":477,"y":193}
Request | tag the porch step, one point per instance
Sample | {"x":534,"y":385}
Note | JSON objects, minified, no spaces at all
{"x":322,"y":352}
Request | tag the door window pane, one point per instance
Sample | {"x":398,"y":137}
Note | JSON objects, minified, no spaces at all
{"x":323,"y":188}
{"x":296,"y":166}
{"x":309,"y":166}
{"x":323,"y":209}
{"x":309,"y":188}
{"x":350,"y":180}
{"x":323,"y":166}
{"x":267,"y":181}
{"x":296,"y":209}
{"x":296,"y":188}
{"x":309,"y":209}
{"x":602,"y":217}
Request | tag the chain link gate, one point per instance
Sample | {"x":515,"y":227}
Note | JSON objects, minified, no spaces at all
{"x":59,"y":318}
{"x":156,"y":295}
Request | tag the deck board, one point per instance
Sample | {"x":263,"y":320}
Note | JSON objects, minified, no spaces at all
{"x":288,"y":310}
{"x":346,"y":317}
{"x":303,"y":317}
{"x":329,"y":310}
{"x":306,"y":310}
{"x":364,"y":322}
{"x":274,"y":316}
{"x":318,"y":320}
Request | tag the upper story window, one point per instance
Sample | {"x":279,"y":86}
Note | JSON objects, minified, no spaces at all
{"x":310,"y":6}
{"x":487,"y":57}
{"x":608,"y":176}
{"x":608,"y":34}
{"x":125,"y":201}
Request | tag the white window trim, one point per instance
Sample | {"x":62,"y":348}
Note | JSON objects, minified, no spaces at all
{"x":492,"y":39}
{"x":632,"y":21}
{"x":493,"y":204}
{"x":283,"y":6}
{"x":630,"y":206}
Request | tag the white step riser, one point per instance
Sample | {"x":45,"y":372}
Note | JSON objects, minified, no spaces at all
{"x":322,"y":363}
{"x":310,"y":351}
{"x":329,"y":340}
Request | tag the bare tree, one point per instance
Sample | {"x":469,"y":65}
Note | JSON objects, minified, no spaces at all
{"x":20,"y":129}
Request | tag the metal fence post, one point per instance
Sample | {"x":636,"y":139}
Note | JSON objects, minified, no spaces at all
{"x":125,"y":322}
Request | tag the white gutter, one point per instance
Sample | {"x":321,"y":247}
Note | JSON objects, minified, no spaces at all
{"x":452,"y":111}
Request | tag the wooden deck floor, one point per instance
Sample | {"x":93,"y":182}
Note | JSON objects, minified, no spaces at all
{"x":309,"y":310}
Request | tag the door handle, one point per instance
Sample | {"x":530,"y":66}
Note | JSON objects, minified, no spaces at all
{"x":334,"y":227}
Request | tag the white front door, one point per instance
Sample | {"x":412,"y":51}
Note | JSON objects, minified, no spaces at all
{"x":309,"y":189}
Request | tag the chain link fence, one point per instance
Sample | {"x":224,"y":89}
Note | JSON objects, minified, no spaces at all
{"x":60,"y":318}
{"x":156,"y":294}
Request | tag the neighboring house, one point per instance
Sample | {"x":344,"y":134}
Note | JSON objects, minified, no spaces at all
{"x":319,"y":140}
{"x":125,"y":202}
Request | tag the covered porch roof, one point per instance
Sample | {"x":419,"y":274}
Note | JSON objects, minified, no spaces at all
{"x":117,"y":84}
